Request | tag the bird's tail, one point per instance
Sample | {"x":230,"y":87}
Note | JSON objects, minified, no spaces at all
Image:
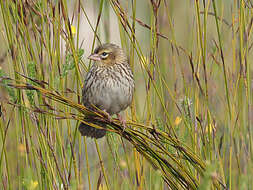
{"x":92,"y":132}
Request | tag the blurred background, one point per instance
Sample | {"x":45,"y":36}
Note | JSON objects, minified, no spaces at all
{"x":193,"y":72}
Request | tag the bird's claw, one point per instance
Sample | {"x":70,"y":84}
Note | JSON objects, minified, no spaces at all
{"x":108,"y":116}
{"x":122,"y":121}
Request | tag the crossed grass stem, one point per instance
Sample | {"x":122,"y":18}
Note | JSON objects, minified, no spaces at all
{"x":149,"y":141}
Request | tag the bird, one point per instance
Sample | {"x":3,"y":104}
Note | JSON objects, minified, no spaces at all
{"x":108,"y":85}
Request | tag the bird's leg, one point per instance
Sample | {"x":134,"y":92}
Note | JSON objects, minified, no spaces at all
{"x":122,"y":121}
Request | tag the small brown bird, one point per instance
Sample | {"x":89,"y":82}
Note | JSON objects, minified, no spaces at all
{"x":109,"y":85}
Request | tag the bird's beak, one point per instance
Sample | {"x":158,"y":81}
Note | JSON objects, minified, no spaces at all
{"x":94,"y":57}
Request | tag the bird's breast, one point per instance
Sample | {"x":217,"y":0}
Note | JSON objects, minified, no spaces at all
{"x":110,"y":91}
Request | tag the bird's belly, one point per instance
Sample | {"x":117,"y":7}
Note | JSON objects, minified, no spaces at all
{"x":113,"y":97}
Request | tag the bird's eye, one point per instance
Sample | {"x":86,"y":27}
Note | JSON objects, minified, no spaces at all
{"x":104,"y":54}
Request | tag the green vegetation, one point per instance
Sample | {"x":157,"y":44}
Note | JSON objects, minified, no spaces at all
{"x":192,"y":115}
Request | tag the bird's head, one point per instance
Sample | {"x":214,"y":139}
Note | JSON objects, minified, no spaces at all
{"x":108,"y":54}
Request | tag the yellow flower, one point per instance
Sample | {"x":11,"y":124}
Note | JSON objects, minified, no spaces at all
{"x":123,"y":164}
{"x":33,"y":184}
{"x":73,"y":30}
{"x":21,"y":149}
{"x":177,"y":120}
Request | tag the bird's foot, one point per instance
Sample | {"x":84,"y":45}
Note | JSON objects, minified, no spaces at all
{"x":122,"y":121}
{"x":108,"y":116}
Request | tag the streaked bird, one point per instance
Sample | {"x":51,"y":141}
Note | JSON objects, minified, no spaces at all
{"x":109,"y":86}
